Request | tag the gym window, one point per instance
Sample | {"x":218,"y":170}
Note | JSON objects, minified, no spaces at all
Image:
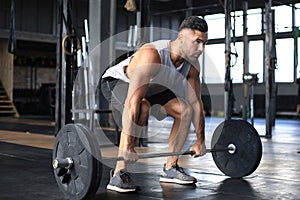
{"x":283,"y":18}
{"x":285,"y":60}
{"x":214,"y":58}
{"x":214,"y":63}
{"x":254,"y":21}
{"x":216,"y":24}
{"x":256,"y":59}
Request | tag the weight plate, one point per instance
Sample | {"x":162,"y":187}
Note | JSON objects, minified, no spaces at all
{"x":247,"y":155}
{"x":82,"y":180}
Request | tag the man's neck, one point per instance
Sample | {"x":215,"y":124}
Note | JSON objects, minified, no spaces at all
{"x":175,"y":53}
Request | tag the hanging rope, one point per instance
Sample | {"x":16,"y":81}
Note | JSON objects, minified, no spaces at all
{"x":296,"y":45}
{"x":234,"y":33}
{"x":234,"y":22}
{"x":222,"y":4}
{"x":12,"y":42}
{"x":70,"y":42}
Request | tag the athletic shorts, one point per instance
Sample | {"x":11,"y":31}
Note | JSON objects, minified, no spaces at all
{"x":115,"y":91}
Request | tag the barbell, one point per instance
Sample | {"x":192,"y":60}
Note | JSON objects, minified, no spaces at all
{"x":235,"y":146}
{"x":68,"y":162}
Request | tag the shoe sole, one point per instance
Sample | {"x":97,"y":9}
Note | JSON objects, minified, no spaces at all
{"x":175,"y":180}
{"x":117,"y":189}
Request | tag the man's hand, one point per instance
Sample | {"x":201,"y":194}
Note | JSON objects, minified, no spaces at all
{"x":130,"y":156}
{"x":199,"y":149}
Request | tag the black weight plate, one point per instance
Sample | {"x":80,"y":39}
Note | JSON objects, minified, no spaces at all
{"x":246,"y":158}
{"x":76,"y":141}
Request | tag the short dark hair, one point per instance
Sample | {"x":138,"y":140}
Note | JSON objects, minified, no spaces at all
{"x":194,"y":23}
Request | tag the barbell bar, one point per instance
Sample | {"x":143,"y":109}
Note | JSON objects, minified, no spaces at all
{"x":68,"y":162}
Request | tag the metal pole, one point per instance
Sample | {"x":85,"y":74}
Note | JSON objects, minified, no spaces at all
{"x":273,"y":88}
{"x":68,"y":76}
{"x":95,"y":24}
{"x":98,"y":23}
{"x":60,"y":69}
{"x":189,"y":4}
{"x":268,"y":50}
{"x":246,"y":58}
{"x":112,"y":25}
{"x":252,"y":104}
{"x":227,"y":7}
{"x":146,"y":20}
{"x":296,"y":35}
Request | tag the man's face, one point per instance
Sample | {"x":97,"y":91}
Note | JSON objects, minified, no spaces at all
{"x":193,"y":43}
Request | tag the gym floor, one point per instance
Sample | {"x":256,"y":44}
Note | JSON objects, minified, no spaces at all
{"x":26,"y":171}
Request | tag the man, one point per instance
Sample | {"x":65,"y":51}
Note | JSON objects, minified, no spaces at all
{"x":161,"y":78}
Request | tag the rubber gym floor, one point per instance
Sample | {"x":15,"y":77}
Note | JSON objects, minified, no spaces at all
{"x":26,"y":165}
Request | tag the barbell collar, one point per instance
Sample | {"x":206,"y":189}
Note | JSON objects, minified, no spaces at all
{"x":62,"y":163}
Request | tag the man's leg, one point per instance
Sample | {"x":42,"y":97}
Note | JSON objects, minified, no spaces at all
{"x":132,"y":138}
{"x":120,"y":179}
{"x":181,"y":111}
{"x":116,"y":92}
{"x":182,"y":114}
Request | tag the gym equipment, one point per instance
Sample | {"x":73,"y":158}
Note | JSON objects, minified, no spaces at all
{"x":235,"y":146}
{"x":248,"y":148}
{"x":78,"y":176}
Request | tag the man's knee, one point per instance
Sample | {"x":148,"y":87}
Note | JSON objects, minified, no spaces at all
{"x":144,"y":110}
{"x":183,"y":111}
{"x":186,"y":111}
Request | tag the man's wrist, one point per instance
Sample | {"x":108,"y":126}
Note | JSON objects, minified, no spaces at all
{"x":200,"y":137}
{"x":200,"y":141}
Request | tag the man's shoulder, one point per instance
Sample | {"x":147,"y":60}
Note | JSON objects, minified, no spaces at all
{"x":160,"y":43}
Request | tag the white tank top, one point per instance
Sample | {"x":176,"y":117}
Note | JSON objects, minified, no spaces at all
{"x":168,"y":76}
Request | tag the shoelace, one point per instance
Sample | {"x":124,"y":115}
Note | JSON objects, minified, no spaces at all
{"x":125,"y":177}
{"x":180,"y":169}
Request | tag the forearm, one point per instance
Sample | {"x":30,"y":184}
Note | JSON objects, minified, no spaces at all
{"x":194,"y":94}
{"x":199,"y":121}
{"x":129,"y":142}
{"x":132,"y":113}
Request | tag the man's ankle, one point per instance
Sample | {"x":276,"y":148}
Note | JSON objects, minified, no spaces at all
{"x":169,"y":166}
{"x":116,"y":170}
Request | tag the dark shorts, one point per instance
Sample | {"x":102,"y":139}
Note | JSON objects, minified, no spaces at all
{"x":115,"y":91}
{"x":109,"y":89}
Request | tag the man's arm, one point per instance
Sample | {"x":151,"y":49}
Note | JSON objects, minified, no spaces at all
{"x":194,"y":95}
{"x":143,"y":66}
{"x":140,"y":71}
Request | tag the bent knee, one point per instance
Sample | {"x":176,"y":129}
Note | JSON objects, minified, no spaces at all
{"x":144,"y":109}
{"x":186,"y":111}
{"x":182,"y":111}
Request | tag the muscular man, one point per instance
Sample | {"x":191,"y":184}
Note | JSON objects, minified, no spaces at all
{"x":161,"y":78}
